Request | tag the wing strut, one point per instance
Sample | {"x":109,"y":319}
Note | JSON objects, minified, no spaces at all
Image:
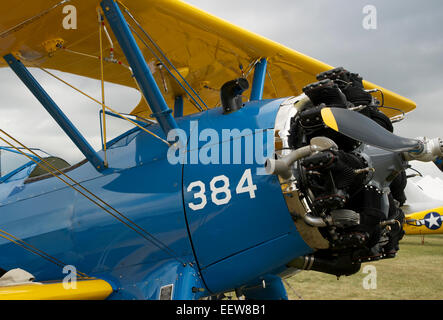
{"x":258,"y":84}
{"x":138,"y":64}
{"x":26,"y":77}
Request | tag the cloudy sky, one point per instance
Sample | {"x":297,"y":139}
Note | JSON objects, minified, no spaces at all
{"x":404,"y":54}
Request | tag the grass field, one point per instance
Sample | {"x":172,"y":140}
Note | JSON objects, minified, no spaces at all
{"x":415,"y":274}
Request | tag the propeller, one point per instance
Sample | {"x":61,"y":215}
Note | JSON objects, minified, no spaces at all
{"x":361,"y":128}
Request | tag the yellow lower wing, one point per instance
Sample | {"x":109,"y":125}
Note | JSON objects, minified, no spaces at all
{"x":80,"y":290}
{"x":425,"y":222}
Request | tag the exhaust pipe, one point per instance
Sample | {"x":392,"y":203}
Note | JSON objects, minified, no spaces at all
{"x":231,"y":94}
{"x":316,"y":221}
{"x":282,"y":167}
{"x":340,"y":266}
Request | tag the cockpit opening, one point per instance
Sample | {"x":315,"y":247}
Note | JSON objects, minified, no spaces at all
{"x":15,"y":165}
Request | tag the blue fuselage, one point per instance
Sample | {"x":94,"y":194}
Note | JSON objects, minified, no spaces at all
{"x":228,"y":222}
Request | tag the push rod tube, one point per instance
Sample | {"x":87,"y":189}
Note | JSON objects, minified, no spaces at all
{"x":139,"y":67}
{"x":68,"y":127}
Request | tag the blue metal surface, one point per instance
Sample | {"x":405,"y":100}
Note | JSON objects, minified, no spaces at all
{"x":229,"y":246}
{"x":226,"y":223}
{"x":12,"y":173}
{"x":246,"y":267}
{"x":28,"y":165}
{"x":147,"y":281}
{"x":258,"y":83}
{"x":224,"y":236}
{"x":55,"y":112}
{"x":189,"y":284}
{"x":139,"y":66}
{"x":58,"y":220}
{"x":240,"y":234}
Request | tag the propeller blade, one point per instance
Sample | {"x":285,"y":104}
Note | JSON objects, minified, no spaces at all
{"x":361,"y":128}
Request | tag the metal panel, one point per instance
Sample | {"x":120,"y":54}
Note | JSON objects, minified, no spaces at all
{"x":220,"y":228}
{"x":58,"y":220}
{"x":250,"y":266}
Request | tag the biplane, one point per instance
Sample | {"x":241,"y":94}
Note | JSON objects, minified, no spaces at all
{"x":423,"y":209}
{"x":247,"y":162}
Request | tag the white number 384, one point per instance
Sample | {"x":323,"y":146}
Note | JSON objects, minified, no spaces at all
{"x":220,"y":192}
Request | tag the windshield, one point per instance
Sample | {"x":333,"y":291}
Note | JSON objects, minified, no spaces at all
{"x":11,"y":160}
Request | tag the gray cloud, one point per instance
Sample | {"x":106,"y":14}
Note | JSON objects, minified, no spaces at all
{"x":24,"y":118}
{"x":404,"y":55}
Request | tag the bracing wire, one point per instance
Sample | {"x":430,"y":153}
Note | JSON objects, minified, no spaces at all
{"x":76,"y":186}
{"x":126,"y":10}
{"x":251,"y":67}
{"x":32,"y":19}
{"x":272,"y":81}
{"x":100,"y":103}
{"x":102,"y":81}
{"x":23,"y":244}
{"x":105,"y":106}
{"x":196,"y":104}
{"x":119,"y":216}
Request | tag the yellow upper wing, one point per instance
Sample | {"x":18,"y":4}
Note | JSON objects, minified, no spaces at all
{"x":208,"y":51}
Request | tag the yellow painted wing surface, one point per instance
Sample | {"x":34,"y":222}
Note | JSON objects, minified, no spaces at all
{"x":208,"y":51}
{"x":82,"y":290}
